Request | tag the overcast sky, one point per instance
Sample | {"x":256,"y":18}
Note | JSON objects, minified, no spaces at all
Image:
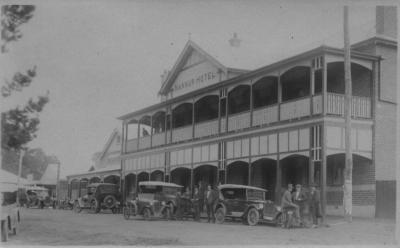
{"x":100,"y":61}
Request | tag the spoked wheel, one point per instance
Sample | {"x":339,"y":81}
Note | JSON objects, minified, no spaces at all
{"x":146,"y":214}
{"x":77,"y":207}
{"x":220,"y":216}
{"x":94,"y":206}
{"x":252,"y":217}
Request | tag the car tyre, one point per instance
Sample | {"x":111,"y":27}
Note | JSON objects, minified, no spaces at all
{"x":77,"y":207}
{"x":146,"y":213}
{"x":220,"y":216}
{"x":252,"y":217}
{"x":4,"y":231}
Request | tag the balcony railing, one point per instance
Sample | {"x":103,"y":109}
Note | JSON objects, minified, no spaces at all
{"x":182,"y":133}
{"x":131,"y":145}
{"x":158,"y":139}
{"x":265,"y":115}
{"x":360,"y":106}
{"x":223,"y":124}
{"x":207,"y":128}
{"x":239,"y":121}
{"x":295,"y":109}
{"x":317,"y":104}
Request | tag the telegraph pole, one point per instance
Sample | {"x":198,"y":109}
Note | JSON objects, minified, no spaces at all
{"x":21,"y":156}
{"x":347,"y":187}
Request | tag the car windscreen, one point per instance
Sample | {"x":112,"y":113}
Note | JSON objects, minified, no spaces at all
{"x":255,"y":194}
{"x":150,"y":189}
{"x":234,"y":194}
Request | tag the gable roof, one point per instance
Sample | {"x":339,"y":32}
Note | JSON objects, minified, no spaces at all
{"x":108,"y":143}
{"x":180,"y":62}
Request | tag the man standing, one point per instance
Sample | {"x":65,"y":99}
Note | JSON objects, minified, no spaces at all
{"x":196,"y":204}
{"x":201,"y":196}
{"x":287,"y":202}
{"x":299,"y":197}
{"x":315,"y":207}
{"x":211,"y":197}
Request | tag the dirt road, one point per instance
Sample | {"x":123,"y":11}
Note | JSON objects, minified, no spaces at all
{"x":63,"y":227}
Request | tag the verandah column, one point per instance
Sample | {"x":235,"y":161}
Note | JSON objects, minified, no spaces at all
{"x":323,"y":172}
{"x":278,"y":187}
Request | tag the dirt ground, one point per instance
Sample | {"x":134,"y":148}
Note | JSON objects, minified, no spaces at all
{"x":65,"y":227}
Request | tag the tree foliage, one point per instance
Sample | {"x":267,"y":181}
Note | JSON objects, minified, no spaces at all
{"x":34,"y":162}
{"x":13,"y":16}
{"x":20,"y":124}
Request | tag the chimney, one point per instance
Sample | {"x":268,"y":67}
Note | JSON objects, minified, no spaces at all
{"x":235,"y":41}
{"x":386,"y":21}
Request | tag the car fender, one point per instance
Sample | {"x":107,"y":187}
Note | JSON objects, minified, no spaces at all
{"x":220,"y":205}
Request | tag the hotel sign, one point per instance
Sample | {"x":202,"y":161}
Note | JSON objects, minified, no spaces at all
{"x":194,"y":78}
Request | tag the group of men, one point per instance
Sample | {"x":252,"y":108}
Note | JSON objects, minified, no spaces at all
{"x":299,"y":200}
{"x":203,"y":197}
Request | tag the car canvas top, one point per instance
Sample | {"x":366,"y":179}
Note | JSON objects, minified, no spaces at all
{"x":235,"y":186}
{"x":158,"y":183}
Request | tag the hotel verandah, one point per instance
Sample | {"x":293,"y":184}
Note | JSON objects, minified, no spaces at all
{"x":282,"y":123}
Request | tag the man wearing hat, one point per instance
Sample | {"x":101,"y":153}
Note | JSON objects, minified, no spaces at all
{"x":314,"y":203}
{"x":299,"y":197}
{"x":287,"y":202}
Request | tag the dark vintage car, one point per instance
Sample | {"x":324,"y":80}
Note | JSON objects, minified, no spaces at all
{"x":155,"y":199}
{"x":246,"y":203}
{"x":99,"y":196}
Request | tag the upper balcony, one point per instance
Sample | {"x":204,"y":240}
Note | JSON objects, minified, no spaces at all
{"x":287,"y":94}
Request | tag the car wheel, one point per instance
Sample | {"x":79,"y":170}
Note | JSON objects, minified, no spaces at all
{"x":77,"y":207}
{"x":4,"y":231}
{"x":126,"y":211}
{"x":252,"y":217}
{"x":146,"y":214}
{"x":109,"y":201}
{"x":220,"y":216}
{"x":166,"y":213}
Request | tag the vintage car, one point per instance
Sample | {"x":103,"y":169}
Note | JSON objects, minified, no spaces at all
{"x":37,"y":197}
{"x":10,"y":216}
{"x":155,"y":199}
{"x":99,"y":196}
{"x":246,"y":203}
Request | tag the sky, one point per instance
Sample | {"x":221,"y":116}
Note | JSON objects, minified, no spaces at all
{"x":102,"y":60}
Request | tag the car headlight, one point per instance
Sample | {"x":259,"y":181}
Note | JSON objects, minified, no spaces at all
{"x":163,"y":203}
{"x":278,"y":208}
{"x":260,"y":206}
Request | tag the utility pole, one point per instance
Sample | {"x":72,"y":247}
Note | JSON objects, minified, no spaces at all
{"x":347,"y":187}
{"x":21,"y":156}
{"x":58,"y":182}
